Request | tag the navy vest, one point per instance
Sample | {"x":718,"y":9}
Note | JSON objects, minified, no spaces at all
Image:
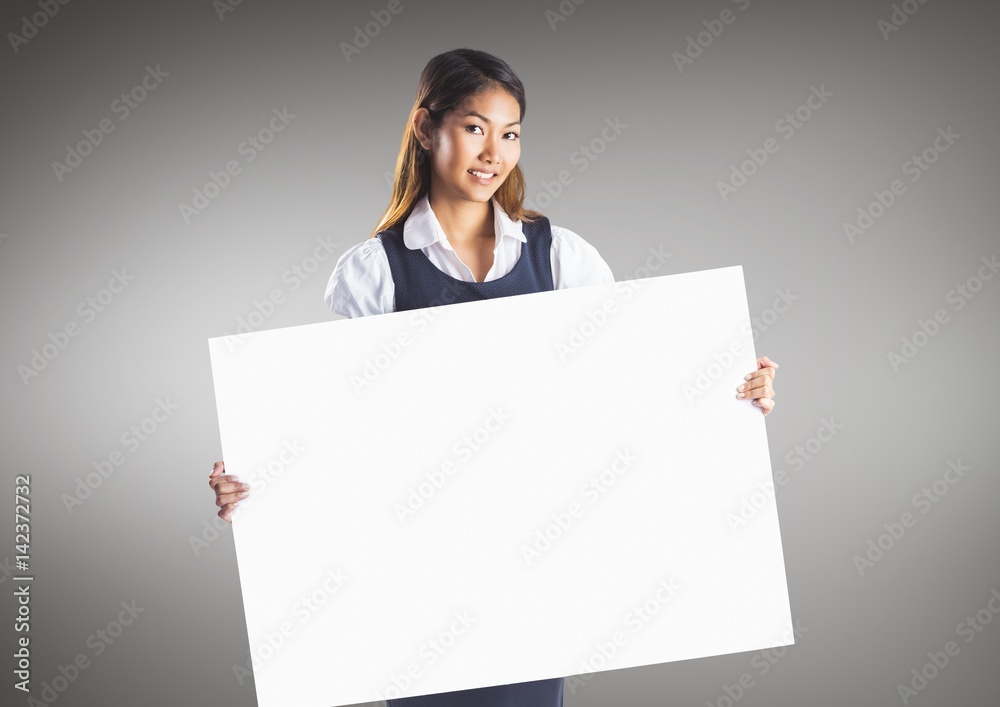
{"x":419,"y":283}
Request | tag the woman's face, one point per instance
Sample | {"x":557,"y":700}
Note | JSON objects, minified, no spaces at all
{"x":481,"y":135}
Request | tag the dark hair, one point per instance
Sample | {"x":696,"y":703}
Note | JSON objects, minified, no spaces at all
{"x":448,"y":80}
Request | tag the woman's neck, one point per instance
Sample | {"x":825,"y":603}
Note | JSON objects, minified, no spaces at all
{"x":464,"y":222}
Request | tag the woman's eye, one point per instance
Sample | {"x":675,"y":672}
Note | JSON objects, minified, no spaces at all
{"x":509,"y":136}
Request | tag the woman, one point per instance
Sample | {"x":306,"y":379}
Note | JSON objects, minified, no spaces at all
{"x":456,"y":230}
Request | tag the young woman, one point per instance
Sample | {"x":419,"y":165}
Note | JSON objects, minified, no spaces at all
{"x":456,"y":230}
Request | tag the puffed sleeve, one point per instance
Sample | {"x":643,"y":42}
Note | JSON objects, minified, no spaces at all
{"x":575,"y":262}
{"x":361,"y":283}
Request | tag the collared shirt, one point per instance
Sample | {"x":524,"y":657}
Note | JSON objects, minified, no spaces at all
{"x":361,"y":283}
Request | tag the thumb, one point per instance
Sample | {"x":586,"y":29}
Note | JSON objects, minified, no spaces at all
{"x":765,"y":362}
{"x":217,"y":469}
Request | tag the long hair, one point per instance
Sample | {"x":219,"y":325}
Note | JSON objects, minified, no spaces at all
{"x":446,"y":81}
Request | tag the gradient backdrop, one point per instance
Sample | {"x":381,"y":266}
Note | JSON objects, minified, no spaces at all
{"x":886,"y":333}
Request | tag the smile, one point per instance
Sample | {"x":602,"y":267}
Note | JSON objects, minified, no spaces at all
{"x":482,"y":177}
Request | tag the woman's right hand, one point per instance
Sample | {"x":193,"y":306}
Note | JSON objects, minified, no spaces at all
{"x":229,"y":491}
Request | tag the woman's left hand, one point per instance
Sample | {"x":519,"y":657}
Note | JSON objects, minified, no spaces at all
{"x":759,"y":385}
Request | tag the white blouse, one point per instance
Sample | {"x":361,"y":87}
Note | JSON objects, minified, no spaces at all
{"x":361,"y":283}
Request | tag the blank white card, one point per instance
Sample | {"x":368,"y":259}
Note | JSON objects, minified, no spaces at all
{"x":547,"y":485}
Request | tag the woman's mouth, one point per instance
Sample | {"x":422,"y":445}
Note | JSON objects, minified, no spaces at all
{"x":482,"y":177}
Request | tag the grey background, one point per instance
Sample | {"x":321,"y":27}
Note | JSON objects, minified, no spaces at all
{"x":654,"y":186}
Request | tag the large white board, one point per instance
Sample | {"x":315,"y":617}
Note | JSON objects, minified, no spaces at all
{"x":501,"y":491}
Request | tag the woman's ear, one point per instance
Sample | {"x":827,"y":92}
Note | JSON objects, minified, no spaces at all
{"x":421,"y":127}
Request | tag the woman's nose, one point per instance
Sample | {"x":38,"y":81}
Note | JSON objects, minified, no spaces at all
{"x":491,"y":153}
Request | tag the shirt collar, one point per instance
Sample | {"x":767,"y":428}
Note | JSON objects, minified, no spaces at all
{"x":422,"y":227}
